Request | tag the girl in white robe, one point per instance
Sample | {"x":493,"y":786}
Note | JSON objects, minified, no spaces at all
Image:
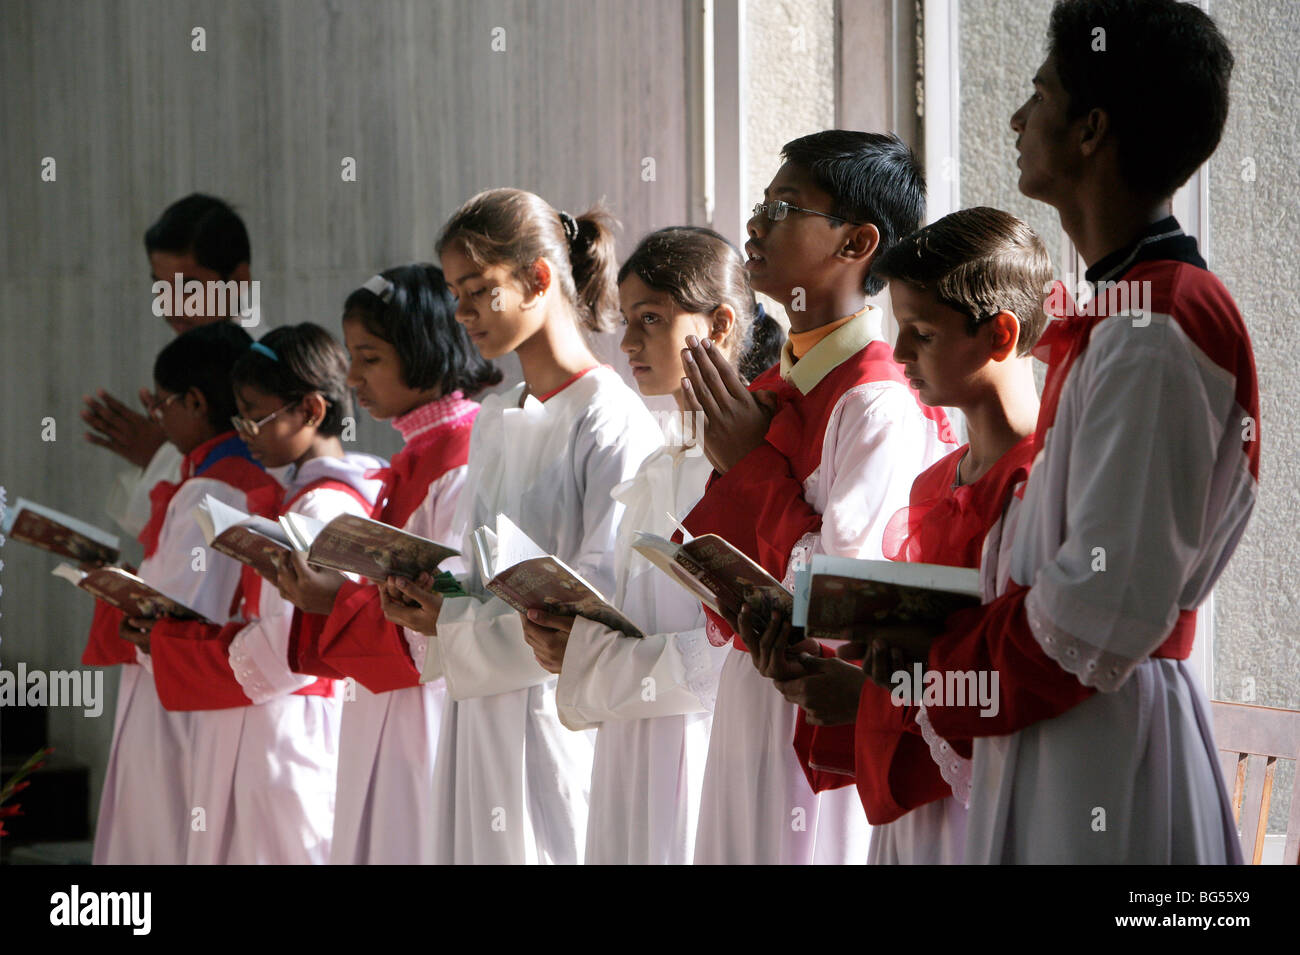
{"x":652,"y":698}
{"x":264,"y":740}
{"x":412,"y":363}
{"x":147,"y":810}
{"x":511,"y":783}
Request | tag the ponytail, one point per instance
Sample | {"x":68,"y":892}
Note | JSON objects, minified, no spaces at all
{"x":594,"y":263}
{"x":515,"y":228}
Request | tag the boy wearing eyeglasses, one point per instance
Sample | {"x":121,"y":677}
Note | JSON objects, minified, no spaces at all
{"x":820,"y":474}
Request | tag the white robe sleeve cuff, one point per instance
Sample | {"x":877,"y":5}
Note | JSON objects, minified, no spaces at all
{"x":481,"y":649}
{"x":608,"y":676}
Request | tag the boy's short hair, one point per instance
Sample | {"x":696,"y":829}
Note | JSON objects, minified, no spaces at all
{"x":203,"y":358}
{"x":978,"y":261}
{"x":202,"y":226}
{"x":871,"y":178}
{"x":1159,"y":69}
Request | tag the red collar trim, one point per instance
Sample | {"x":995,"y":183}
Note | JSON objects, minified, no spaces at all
{"x":552,"y":394}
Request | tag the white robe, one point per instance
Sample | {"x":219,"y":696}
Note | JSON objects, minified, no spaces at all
{"x":511,"y":783}
{"x":757,"y":806}
{"x":384,"y":808}
{"x":145,"y":812}
{"x":128,"y":495}
{"x":265,"y":773}
{"x":650,"y":698}
{"x":1130,"y":775}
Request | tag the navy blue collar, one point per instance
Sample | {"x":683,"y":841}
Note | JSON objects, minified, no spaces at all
{"x":232,"y":446}
{"x":1163,"y":240}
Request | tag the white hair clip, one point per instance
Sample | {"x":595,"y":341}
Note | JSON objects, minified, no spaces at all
{"x":378,"y":285}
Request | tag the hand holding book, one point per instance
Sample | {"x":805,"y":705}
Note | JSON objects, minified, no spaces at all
{"x":415,"y":604}
{"x":310,"y":589}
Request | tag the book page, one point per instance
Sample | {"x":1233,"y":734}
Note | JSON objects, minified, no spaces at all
{"x":214,"y":516}
{"x":846,"y":597}
{"x":662,"y":554}
{"x":60,"y":534}
{"x":375,"y":550}
{"x":249,"y":547}
{"x":546,"y":583}
{"x":513,"y":546}
{"x":128,"y":593}
{"x":301,"y":530}
{"x":484,"y":544}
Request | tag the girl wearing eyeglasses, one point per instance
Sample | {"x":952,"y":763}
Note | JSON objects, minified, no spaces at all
{"x":264,"y":740}
{"x":146,"y":813}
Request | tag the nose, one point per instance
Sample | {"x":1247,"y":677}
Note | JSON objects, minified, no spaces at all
{"x":757,"y":225}
{"x":463,"y":312}
{"x":631,"y":343}
{"x":901,"y":353}
{"x":1018,"y":120}
{"x":353,"y":379}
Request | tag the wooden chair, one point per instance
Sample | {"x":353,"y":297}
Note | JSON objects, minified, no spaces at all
{"x":1251,"y":739}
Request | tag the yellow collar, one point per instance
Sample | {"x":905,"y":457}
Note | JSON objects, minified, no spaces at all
{"x":833,"y":350}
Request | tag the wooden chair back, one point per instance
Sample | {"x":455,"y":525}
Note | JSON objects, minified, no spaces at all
{"x":1251,"y":739}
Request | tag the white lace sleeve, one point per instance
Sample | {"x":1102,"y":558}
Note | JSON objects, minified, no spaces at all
{"x":956,"y":770}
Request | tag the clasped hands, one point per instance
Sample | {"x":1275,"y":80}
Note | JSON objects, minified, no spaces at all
{"x":827,"y":689}
{"x":734,"y":419}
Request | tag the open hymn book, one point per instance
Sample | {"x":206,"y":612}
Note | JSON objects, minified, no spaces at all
{"x":527,"y":578}
{"x":716,"y":573}
{"x":348,"y":543}
{"x":836,"y":598}
{"x":128,"y":593}
{"x":59,"y":533}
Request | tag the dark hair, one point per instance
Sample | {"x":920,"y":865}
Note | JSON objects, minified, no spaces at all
{"x":766,"y":339}
{"x":1160,"y":71}
{"x":202,"y":358}
{"x":204,"y":227}
{"x":700,"y":270}
{"x":871,"y":178}
{"x":514,"y":228}
{"x":307,"y":360}
{"x":419,"y":321}
{"x":978,"y":261}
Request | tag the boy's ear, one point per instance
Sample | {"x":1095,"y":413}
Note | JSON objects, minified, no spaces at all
{"x":861,"y":243}
{"x":721,"y":322}
{"x":1094,"y":129}
{"x":1004,"y":330}
{"x":196,"y":402}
